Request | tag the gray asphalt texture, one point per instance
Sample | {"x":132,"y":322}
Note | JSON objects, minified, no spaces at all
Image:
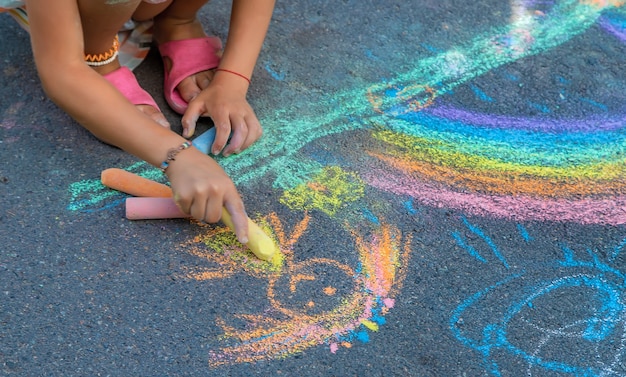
{"x":85,"y":292}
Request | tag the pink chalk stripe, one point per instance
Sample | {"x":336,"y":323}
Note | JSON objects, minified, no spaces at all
{"x":610,"y":211}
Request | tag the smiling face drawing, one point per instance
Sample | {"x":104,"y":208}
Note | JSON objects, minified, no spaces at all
{"x":311,"y":287}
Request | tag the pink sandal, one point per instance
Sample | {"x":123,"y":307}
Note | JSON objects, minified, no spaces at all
{"x":187,"y":57}
{"x":126,"y":82}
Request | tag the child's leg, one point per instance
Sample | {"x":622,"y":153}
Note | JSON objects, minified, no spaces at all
{"x":147,"y":10}
{"x":179,"y":21}
{"x":101,"y":22}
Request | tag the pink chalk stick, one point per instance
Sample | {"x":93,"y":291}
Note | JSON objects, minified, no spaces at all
{"x":152,"y":208}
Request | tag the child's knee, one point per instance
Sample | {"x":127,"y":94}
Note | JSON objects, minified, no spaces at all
{"x":148,"y":9}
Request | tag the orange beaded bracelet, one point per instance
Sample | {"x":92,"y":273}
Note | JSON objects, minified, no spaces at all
{"x":106,"y":58}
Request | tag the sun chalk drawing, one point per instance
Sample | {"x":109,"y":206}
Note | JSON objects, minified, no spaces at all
{"x":428,"y":153}
{"x":584,"y":291}
{"x":286,"y":328}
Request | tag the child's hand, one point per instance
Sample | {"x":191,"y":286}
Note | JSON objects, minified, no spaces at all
{"x":224,"y":100}
{"x":201,"y":188}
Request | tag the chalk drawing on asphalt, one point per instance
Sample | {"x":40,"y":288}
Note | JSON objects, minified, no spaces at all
{"x":287,"y":327}
{"x":566,"y":317}
{"x":514,"y":167}
{"x":429,"y":153}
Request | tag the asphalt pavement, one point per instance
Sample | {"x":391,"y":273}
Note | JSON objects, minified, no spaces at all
{"x":446,"y":181}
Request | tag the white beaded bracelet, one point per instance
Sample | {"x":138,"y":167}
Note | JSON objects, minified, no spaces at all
{"x":103,"y":62}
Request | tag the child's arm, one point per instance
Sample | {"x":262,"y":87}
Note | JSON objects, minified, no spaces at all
{"x":224,"y":100}
{"x":200,"y":185}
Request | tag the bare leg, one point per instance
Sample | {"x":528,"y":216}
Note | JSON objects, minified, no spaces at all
{"x":101,"y":21}
{"x":147,"y":11}
{"x":179,"y":21}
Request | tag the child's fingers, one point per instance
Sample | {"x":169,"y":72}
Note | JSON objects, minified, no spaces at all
{"x":195,"y":109}
{"x":213,"y":210}
{"x":189,"y":120}
{"x":238,"y":136}
{"x":254,"y":131}
{"x":204,"y":200}
{"x":239,"y":218}
{"x":183,"y":202}
{"x":203,"y":208}
{"x":222,"y":132}
{"x":198,"y":210}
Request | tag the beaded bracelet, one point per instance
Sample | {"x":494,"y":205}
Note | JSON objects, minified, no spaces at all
{"x":234,"y":73}
{"x":171,"y":155}
{"x":106,"y":58}
{"x":103,"y":62}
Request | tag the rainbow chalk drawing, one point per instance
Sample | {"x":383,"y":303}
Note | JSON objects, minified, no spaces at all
{"x":424,"y":152}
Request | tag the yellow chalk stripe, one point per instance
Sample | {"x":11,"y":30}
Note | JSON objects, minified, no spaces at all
{"x":444,"y":154}
{"x":370,"y":325}
{"x":504,"y":182}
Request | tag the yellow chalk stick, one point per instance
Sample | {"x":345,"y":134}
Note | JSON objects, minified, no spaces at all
{"x":258,"y":242}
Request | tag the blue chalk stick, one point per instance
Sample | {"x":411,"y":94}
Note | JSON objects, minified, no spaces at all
{"x":204,"y":142}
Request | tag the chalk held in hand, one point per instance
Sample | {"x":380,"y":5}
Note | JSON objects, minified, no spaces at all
{"x":258,"y":242}
{"x":156,"y":203}
{"x":204,"y":141}
{"x":165,"y":208}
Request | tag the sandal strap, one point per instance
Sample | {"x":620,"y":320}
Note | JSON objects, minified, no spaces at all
{"x":125,"y":81}
{"x":187,"y":57}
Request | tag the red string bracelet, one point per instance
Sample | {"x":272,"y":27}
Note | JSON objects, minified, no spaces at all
{"x":234,"y":73}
